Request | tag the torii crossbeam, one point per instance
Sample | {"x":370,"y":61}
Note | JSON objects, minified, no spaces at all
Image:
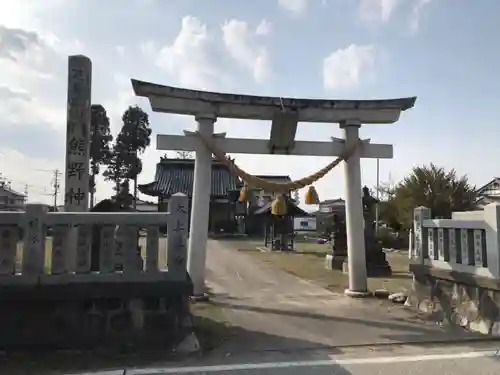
{"x":284,"y":113}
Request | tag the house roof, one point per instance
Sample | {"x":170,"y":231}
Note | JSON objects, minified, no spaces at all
{"x":274,"y":178}
{"x":484,"y":187}
{"x":292,"y":209}
{"x":177,"y":175}
{"x":11,"y":191}
{"x":338,"y":201}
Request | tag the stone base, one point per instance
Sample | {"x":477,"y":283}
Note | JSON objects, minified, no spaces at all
{"x":372,"y":270}
{"x":356,"y":294}
{"x":455,"y":298}
{"x":334,"y":262}
{"x":87,"y":315}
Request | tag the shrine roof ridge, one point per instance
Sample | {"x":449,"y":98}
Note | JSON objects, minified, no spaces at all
{"x":149,"y":89}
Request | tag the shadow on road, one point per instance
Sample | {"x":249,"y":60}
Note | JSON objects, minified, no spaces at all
{"x":402,"y":331}
{"x":237,"y":346}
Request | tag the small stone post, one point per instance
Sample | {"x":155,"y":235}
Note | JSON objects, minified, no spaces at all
{"x":492,"y":220}
{"x":34,"y":240}
{"x":419,"y":215}
{"x":177,"y":232}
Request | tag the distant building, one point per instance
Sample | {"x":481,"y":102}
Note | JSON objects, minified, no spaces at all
{"x":304,"y":224}
{"x":177,"y":176}
{"x":11,"y":200}
{"x":264,"y":197}
{"x":326,"y":210}
{"x":489,"y":193}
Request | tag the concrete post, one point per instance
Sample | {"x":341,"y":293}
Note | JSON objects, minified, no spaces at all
{"x":492,"y":221}
{"x":420,"y":238}
{"x":76,"y":186}
{"x":356,"y":255}
{"x":177,"y":228}
{"x":200,"y":207}
{"x":76,"y":198}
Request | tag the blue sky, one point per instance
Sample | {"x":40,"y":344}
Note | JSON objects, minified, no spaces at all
{"x":445,"y":52}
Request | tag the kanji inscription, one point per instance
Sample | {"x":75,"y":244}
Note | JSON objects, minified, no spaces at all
{"x":78,"y":134}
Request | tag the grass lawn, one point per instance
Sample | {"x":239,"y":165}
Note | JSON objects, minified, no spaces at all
{"x":210,"y":325}
{"x":308,"y":262}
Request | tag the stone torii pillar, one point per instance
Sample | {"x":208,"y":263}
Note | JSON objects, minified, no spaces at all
{"x":200,"y":206}
{"x":284,"y":113}
{"x":354,"y":212}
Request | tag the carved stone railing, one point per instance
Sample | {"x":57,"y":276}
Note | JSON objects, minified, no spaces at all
{"x":51,"y":294}
{"x":468,"y":243}
{"x":70,"y":244}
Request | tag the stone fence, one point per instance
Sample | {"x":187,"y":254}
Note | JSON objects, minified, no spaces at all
{"x":456,"y":268}
{"x":51,"y":295}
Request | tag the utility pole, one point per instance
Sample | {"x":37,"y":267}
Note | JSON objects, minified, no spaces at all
{"x":56,"y":187}
{"x":25,"y":193}
{"x":377,"y":208}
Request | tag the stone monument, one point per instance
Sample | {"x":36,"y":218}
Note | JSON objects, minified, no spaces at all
{"x":376,"y":261}
{"x":338,"y":252}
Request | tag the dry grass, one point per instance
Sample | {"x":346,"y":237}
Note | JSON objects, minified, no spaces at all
{"x":308,"y":262}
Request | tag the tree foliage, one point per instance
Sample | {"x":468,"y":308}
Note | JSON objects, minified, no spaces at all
{"x":185,"y":154}
{"x":442,"y":191}
{"x":131,"y":142}
{"x":100,"y":143}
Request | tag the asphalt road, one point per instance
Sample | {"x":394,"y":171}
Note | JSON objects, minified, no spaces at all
{"x":406,"y":361}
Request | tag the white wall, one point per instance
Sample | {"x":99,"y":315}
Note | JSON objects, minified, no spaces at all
{"x":304,"y":224}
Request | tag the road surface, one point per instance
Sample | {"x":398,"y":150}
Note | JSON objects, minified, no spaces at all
{"x":403,"y":361}
{"x":274,"y":310}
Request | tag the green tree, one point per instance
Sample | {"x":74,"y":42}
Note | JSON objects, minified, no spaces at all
{"x":117,"y":169}
{"x":442,"y":191}
{"x":132,"y":141}
{"x":100,"y":144}
{"x":185,"y":154}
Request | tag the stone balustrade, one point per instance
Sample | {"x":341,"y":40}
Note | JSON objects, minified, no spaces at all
{"x":50,"y":294}
{"x":456,"y":268}
{"x":469,"y":242}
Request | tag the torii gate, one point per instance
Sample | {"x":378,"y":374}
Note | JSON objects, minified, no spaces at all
{"x":284,"y":113}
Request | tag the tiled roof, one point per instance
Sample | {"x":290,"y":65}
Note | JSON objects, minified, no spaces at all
{"x":280,"y":179}
{"x":177,"y":175}
{"x":338,"y":201}
{"x":292,"y":209}
{"x":9,"y":190}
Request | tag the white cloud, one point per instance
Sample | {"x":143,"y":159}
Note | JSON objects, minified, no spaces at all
{"x":377,"y":10}
{"x":296,"y":7}
{"x":244,"y":47}
{"x":264,"y":28}
{"x":344,"y":68}
{"x":189,"y":58}
{"x":416,"y":14}
{"x":382,"y":11}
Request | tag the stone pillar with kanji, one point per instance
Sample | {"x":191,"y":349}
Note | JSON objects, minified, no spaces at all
{"x":76,"y":197}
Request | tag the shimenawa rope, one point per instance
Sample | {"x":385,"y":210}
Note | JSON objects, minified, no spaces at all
{"x":271,"y":186}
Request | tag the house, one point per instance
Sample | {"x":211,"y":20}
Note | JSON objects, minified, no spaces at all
{"x":260,"y":203}
{"x":11,"y":200}
{"x":264,"y":197}
{"x":489,"y":193}
{"x":175,"y":175}
{"x":304,"y":224}
{"x":326,"y":210}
